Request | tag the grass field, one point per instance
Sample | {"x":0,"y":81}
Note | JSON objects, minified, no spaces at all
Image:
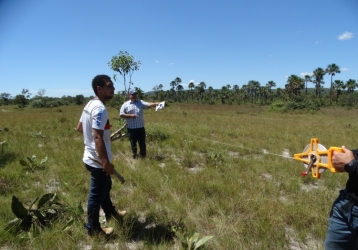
{"x":221,"y":171}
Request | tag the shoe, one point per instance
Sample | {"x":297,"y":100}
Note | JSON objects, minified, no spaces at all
{"x":106,"y":232}
{"x":121,"y":213}
{"x":117,"y":214}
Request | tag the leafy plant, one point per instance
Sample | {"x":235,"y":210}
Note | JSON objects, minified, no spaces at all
{"x":215,"y":158}
{"x":36,"y":218}
{"x":156,"y":134}
{"x":75,"y":214}
{"x":190,"y":240}
{"x":32,"y":164}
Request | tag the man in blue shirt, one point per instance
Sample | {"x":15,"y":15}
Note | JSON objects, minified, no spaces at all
{"x":132,"y":111}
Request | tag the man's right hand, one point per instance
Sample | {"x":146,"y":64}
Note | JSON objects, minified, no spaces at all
{"x":108,"y":168}
{"x":339,"y":160}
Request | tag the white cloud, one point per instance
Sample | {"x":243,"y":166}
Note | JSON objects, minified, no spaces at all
{"x":344,"y":69}
{"x":171,"y":63}
{"x":306,"y":73}
{"x":156,"y":61}
{"x":345,"y":36}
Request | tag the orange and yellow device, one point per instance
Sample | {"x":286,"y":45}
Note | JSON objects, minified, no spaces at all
{"x":316,"y":158}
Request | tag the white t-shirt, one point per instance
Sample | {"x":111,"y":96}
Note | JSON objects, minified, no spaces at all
{"x":95,"y":116}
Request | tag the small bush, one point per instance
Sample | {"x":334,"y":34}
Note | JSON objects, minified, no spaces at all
{"x":156,"y":134}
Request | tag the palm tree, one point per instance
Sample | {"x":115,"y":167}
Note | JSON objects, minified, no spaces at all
{"x":332,"y":69}
{"x":173,"y":84}
{"x":210,"y":91}
{"x":263,"y":92}
{"x":244,"y":91}
{"x":269,"y":85}
{"x":250,"y":88}
{"x":279,"y":93}
{"x":307,"y":79}
{"x":191,"y":86}
{"x":179,"y":90}
{"x":338,"y":85}
{"x":177,"y":80}
{"x":215,"y":94}
{"x":351,"y":85}
{"x":224,"y":94}
{"x":202,"y":87}
{"x":318,"y":76}
{"x":253,"y":87}
{"x":236,"y":89}
{"x":257,"y":86}
{"x":294,"y":86}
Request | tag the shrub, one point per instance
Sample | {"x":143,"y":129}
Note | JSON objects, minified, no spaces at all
{"x":38,"y":103}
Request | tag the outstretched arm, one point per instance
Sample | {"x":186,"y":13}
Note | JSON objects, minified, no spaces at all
{"x":153,"y":104}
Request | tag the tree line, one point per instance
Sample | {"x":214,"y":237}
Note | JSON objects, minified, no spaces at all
{"x":40,"y":100}
{"x":297,"y":94}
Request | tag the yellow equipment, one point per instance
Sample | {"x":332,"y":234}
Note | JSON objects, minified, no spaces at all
{"x":316,"y":158}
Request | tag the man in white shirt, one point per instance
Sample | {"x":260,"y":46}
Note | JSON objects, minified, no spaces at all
{"x":94,"y":124}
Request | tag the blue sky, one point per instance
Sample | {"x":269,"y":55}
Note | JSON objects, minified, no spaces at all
{"x":60,"y":45}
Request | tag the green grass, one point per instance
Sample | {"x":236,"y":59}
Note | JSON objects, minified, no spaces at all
{"x":216,"y":170}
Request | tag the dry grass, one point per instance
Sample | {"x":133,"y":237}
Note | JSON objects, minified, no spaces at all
{"x":219,"y":170}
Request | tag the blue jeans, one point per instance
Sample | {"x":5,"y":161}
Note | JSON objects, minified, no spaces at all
{"x":100,"y":187}
{"x":342,"y":224}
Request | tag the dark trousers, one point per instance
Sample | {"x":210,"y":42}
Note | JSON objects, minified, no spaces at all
{"x":137,"y":135}
{"x":100,"y":186}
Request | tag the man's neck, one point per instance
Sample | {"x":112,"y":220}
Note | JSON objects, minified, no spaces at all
{"x":101,"y":99}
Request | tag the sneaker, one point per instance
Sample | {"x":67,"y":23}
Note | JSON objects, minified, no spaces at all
{"x":117,"y":214}
{"x":106,"y":232}
{"x":122,"y":213}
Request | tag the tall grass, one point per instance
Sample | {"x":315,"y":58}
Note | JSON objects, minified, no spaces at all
{"x":216,"y":170}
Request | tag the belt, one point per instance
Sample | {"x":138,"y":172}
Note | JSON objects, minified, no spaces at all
{"x":352,"y":200}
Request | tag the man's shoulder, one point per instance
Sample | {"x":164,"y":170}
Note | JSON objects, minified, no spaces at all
{"x":126,"y":103}
{"x":96,"y":105}
{"x":95,"y":102}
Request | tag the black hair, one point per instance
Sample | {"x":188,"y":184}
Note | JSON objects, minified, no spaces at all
{"x":98,"y":80}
